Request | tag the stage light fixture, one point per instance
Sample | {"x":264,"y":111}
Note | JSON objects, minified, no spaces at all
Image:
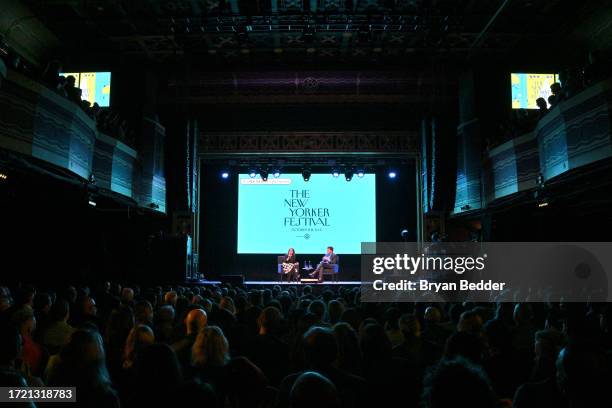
{"x":3,"y":176}
{"x":276,"y":173}
{"x":91,"y":199}
{"x":360,"y":173}
{"x":335,"y":173}
{"x":306,"y":175}
{"x":348,"y":175}
{"x":224,"y":175}
{"x":392,"y":174}
{"x":252,"y":174}
{"x":264,"y":174}
{"x":543,"y":203}
{"x":364,"y":34}
{"x":308,"y":34}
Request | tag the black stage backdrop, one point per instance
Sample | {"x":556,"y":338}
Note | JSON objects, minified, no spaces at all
{"x":395,"y":210}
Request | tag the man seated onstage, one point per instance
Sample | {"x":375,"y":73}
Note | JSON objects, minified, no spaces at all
{"x":329,"y":259}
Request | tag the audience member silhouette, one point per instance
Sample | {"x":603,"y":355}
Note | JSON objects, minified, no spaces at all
{"x":311,"y":389}
{"x":457,"y":383}
{"x":82,"y":364}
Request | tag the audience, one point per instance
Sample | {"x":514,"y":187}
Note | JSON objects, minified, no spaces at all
{"x":58,"y":332}
{"x":458,"y":383}
{"x":156,"y":378}
{"x":106,"y":119}
{"x":210,"y":354}
{"x":311,"y":389}
{"x":572,"y":80}
{"x":82,"y":364}
{"x":295,"y":347}
{"x":542,"y":107}
{"x":139,"y":337}
{"x":349,"y":354}
{"x":33,"y":354}
{"x":195,"y":322}
{"x":268,"y":351}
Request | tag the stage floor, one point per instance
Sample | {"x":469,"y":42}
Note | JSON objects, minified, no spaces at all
{"x":275,"y":282}
{"x":302,"y":283}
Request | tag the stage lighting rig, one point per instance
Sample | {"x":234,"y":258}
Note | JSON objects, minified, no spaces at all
{"x":348,"y":175}
{"x":276,"y":173}
{"x":242,"y":32}
{"x":364,"y":34}
{"x":308,"y":33}
{"x":263,"y":173}
{"x":306,"y":174}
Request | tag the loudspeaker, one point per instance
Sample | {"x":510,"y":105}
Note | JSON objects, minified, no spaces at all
{"x":233,"y":279}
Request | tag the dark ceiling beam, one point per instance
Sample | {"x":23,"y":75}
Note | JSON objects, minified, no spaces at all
{"x":478,"y":39}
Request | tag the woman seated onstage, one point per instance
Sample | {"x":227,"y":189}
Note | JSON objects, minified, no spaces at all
{"x":291,"y":268}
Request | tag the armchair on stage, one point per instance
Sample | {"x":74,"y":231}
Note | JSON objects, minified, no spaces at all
{"x":333,"y":269}
{"x":293,"y":275}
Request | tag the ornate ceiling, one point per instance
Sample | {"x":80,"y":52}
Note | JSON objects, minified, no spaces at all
{"x":301,"y":30}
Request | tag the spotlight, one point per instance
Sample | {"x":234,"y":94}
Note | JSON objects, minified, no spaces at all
{"x":224,"y":175}
{"x":392,"y":174}
{"x":335,"y":173}
{"x":306,"y":175}
{"x":252,"y":174}
{"x":3,"y":176}
{"x":264,"y":174}
{"x":543,"y":203}
{"x":276,"y":173}
{"x":360,"y":173}
{"x":348,"y":175}
{"x":91,"y":199}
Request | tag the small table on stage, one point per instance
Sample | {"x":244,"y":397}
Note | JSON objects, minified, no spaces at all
{"x":308,"y":270}
{"x":307,"y":278}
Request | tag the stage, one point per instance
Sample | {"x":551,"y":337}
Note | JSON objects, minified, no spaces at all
{"x":204,"y":282}
{"x":252,"y":220}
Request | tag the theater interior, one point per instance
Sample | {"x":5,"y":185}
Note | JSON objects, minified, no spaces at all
{"x":159,"y":157}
